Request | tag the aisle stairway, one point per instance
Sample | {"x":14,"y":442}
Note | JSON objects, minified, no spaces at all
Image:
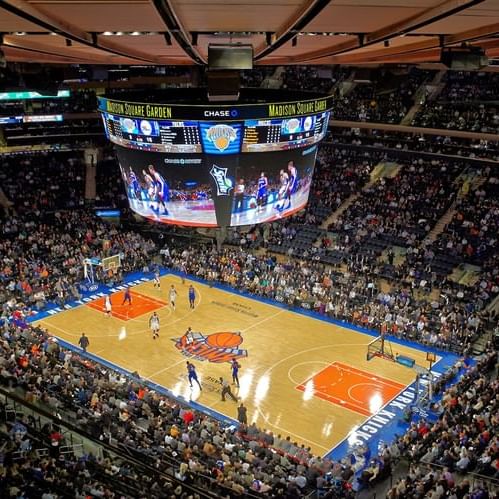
{"x":387,"y":170}
{"x":5,"y":203}
{"x":442,"y":223}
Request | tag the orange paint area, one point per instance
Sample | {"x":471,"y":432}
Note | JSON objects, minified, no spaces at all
{"x":141,"y":304}
{"x":351,"y":388}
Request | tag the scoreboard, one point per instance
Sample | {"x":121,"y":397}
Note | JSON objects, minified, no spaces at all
{"x":181,"y":136}
{"x":158,"y":136}
{"x":208,"y":165}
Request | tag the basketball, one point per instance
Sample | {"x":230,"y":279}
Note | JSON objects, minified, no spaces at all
{"x":224,"y":340}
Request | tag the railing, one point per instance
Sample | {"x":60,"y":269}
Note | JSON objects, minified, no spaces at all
{"x":475,"y":479}
{"x":16,"y":404}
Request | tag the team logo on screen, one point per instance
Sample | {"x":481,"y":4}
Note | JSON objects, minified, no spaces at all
{"x":218,"y":347}
{"x":224,"y":184}
{"x":221,"y":136}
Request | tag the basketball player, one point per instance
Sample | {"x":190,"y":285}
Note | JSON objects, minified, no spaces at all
{"x":108,"y":306}
{"x":157,"y":282}
{"x":239,"y":196}
{"x":162,"y":190}
{"x":150,"y":188}
{"x":261,"y":195}
{"x":133,"y":184}
{"x":192,"y":296}
{"x":235,"y":366}
{"x":183,"y":272}
{"x":173,"y":296}
{"x":192,"y":374}
{"x":292,"y":182}
{"x":127,"y":297}
{"x":283,"y":189}
{"x":188,"y":336}
{"x":154,"y":325}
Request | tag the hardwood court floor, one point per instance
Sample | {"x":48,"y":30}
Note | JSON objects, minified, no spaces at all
{"x":299,"y":376}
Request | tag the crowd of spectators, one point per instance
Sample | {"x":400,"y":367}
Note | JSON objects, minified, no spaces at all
{"x":385,"y":99}
{"x":44,"y":181}
{"x":405,"y":206}
{"x":468,"y":101}
{"x":464,"y":439}
{"x":472,"y":234}
{"x":425,"y":143}
{"x":36,"y":463}
{"x":313,"y":78}
{"x":470,"y":86}
{"x":459,"y":116}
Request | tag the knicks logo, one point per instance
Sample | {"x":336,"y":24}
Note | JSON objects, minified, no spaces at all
{"x":217,"y":347}
{"x":221,"y":136}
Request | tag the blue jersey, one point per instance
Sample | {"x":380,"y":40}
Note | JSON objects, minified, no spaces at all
{"x":262,"y":187}
{"x":162,"y":188}
{"x":192,"y":294}
{"x":132,"y":178}
{"x":191,"y":371}
{"x":293,"y":177}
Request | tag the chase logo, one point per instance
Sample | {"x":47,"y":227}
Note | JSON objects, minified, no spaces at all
{"x":217,"y":347}
{"x":221,"y":136}
{"x":221,"y":113}
{"x":224,"y":184}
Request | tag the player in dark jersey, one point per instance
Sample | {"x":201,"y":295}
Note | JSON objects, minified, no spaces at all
{"x":192,"y":375}
{"x":292,"y":182}
{"x":261,"y":195}
{"x":235,"y":372}
{"x":192,"y":296}
{"x":127,"y":297}
{"x":134,"y":185}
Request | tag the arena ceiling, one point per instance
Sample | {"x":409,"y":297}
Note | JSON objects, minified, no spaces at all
{"x":167,"y":32}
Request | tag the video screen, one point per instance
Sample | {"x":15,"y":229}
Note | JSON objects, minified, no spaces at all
{"x":210,"y":190}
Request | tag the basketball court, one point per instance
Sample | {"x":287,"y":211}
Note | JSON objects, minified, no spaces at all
{"x":300,"y":377}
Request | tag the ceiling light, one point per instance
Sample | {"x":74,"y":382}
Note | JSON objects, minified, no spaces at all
{"x":108,"y":33}
{"x":20,"y":33}
{"x":119,"y":33}
{"x":135,"y":33}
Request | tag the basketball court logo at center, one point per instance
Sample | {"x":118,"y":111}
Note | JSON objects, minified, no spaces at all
{"x":217,"y":347}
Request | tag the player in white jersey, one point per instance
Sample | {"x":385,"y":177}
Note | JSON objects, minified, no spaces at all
{"x":283,"y":189}
{"x":150,"y":188}
{"x":108,"y":306}
{"x":154,"y":325}
{"x":173,"y":296}
{"x":157,"y":282}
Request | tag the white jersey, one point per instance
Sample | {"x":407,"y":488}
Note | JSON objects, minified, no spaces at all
{"x":108,"y":305}
{"x":154,"y":322}
{"x":173,"y":295}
